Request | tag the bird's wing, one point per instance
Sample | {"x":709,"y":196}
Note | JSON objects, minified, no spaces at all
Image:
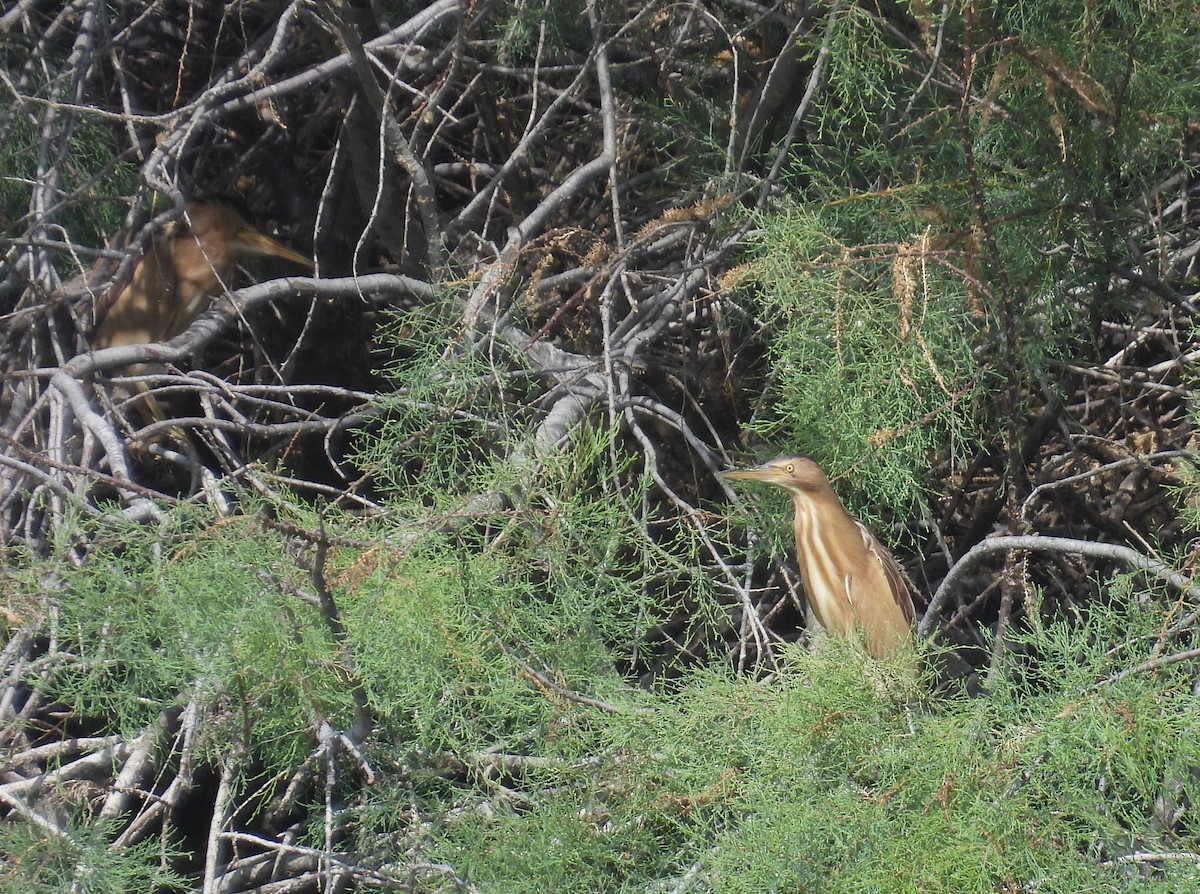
{"x":891,"y":571}
{"x":101,"y":276}
{"x":103,"y":271}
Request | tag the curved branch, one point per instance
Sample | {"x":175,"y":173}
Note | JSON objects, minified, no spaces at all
{"x":1036,"y":543}
{"x":225,"y":312}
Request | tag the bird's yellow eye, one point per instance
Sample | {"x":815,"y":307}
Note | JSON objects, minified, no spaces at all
{"x":791,"y":468}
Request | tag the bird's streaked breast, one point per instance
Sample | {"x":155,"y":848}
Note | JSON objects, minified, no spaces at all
{"x":819,"y":559}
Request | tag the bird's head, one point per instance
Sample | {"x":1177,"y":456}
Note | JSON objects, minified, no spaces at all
{"x":796,"y":474}
{"x":223,"y":223}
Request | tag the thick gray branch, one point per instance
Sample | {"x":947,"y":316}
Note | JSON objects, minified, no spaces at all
{"x":1034,"y":543}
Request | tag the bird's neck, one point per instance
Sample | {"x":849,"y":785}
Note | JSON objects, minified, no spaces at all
{"x":822,"y":518}
{"x":822,"y":505}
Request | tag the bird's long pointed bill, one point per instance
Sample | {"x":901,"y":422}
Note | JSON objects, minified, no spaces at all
{"x":754,"y":473}
{"x":257,"y":243}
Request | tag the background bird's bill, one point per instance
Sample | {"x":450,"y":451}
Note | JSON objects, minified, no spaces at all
{"x":256,"y":243}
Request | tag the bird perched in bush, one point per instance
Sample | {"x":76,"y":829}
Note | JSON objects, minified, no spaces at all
{"x":853,"y":583}
{"x":176,"y":278}
{"x":179,"y":274}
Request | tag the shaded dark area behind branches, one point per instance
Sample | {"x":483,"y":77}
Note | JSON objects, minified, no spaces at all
{"x":567,"y":193}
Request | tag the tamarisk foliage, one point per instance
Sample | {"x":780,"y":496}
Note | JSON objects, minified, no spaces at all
{"x":424,"y":580}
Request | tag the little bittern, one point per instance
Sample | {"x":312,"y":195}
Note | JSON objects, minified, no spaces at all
{"x":853,"y":584}
{"x":181,"y":271}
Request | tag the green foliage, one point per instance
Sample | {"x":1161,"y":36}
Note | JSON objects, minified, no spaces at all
{"x":681,"y":138}
{"x":888,"y":307}
{"x":443,"y":424}
{"x":33,"y":861}
{"x":863,"y":69}
{"x":432,"y":644}
{"x":1101,"y":99}
{"x":871,"y":348}
{"x":91,"y":171}
{"x":553,"y":551}
{"x":531,"y":26}
{"x":213,"y":620}
{"x":837,"y":775}
{"x":443,"y":637}
{"x":1187,"y":492}
{"x":834,"y":777}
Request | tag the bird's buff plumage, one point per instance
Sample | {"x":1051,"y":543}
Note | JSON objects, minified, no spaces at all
{"x":854,"y":586}
{"x":175,"y":280}
{"x":181,"y":271}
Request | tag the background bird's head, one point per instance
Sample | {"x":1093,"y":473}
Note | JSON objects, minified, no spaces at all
{"x":220,"y":221}
{"x":795,"y":474}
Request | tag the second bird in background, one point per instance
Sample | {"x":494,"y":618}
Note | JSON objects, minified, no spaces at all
{"x":180,"y":273}
{"x":175,"y":280}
